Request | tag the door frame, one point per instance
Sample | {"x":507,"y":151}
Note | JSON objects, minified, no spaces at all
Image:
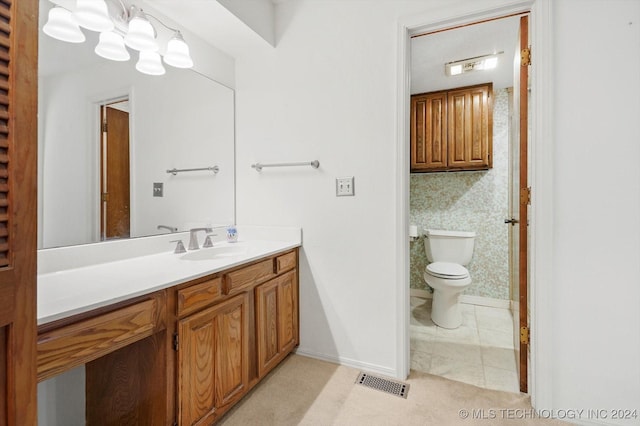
{"x":541,"y":178}
{"x":94,"y":104}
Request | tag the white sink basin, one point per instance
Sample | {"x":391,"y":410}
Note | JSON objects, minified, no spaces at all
{"x":212,"y":253}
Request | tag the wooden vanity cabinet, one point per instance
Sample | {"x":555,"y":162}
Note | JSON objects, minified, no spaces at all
{"x":232,"y":329}
{"x":184,"y":355}
{"x":452,"y":130}
{"x":212,"y":360}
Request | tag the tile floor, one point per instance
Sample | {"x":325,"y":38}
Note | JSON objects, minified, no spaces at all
{"x":479,"y":352}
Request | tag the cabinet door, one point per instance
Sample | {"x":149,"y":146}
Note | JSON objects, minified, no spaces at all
{"x":196,"y":367}
{"x":428,"y":131}
{"x":470,"y":129}
{"x":212,"y":360}
{"x":276,"y":320}
{"x":232,"y":344}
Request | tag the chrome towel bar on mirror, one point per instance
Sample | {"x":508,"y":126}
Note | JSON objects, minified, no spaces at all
{"x":315,"y":164}
{"x":174,"y":171}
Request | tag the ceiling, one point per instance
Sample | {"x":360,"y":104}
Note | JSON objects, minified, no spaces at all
{"x":212,"y":22}
{"x":429,"y":53}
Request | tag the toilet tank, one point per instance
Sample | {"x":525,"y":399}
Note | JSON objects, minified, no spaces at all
{"x":449,"y":246}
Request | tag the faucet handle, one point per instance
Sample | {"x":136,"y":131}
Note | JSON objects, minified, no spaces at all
{"x":207,"y":241}
{"x":179,"y":247}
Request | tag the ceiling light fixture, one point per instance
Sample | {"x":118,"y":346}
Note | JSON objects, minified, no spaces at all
{"x":484,"y":62}
{"x":119,"y":26}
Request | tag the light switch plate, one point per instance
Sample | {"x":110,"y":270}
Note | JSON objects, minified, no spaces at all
{"x":158,"y":189}
{"x":345,"y":186}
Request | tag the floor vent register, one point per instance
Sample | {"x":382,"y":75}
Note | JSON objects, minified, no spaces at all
{"x":385,"y":385}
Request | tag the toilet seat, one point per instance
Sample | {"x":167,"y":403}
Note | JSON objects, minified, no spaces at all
{"x":447,"y":270}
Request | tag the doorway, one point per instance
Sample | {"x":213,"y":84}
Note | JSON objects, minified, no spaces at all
{"x":115,"y":204}
{"x":480,"y":309}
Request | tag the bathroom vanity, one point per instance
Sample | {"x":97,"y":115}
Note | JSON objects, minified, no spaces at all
{"x":171,"y":338}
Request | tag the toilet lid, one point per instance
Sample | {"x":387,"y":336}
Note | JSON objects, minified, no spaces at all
{"x":447,"y":270}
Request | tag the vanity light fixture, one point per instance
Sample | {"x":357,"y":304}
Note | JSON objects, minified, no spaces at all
{"x":119,"y":27}
{"x":477,"y":63}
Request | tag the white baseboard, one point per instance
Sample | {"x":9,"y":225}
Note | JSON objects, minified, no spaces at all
{"x":467,"y":298}
{"x":348,"y":362}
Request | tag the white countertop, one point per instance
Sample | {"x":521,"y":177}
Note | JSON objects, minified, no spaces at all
{"x":67,"y":292}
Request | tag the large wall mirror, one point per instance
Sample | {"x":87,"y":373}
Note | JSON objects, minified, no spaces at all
{"x":101,"y":182}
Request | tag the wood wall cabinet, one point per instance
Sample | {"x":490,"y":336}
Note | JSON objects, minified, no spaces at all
{"x":452,"y":130}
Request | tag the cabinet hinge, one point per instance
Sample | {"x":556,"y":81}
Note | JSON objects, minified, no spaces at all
{"x":524,"y":335}
{"x":525,"y":57}
{"x":176,"y":342}
{"x":525,"y":196}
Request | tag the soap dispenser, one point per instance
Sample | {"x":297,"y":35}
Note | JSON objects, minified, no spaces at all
{"x":232,"y":234}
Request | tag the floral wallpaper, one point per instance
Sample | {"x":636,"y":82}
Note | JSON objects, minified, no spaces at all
{"x":469,"y":201}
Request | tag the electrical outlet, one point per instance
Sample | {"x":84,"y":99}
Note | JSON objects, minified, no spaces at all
{"x":157,"y":189}
{"x":344,"y":186}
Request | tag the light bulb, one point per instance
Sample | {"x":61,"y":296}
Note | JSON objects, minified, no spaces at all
{"x":93,"y":15}
{"x":178,"y":52}
{"x":111,"y":46}
{"x":149,"y":63}
{"x":62,"y":25}
{"x":141,"y":35}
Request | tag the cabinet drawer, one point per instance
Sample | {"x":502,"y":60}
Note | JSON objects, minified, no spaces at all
{"x":198,"y":296}
{"x":285,"y":262}
{"x":71,"y":345}
{"x":238,"y":280}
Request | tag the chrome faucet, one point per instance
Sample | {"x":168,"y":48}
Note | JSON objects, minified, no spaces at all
{"x":193,"y":237}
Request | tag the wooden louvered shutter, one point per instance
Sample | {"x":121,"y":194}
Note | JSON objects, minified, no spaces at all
{"x":5,"y":38}
{"x":18,"y":212}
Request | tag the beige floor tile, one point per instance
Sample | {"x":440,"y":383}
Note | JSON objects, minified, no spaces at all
{"x":420,"y":361}
{"x":422,"y":333}
{"x":454,"y":369}
{"x":504,"y":358}
{"x":499,"y":379}
{"x":496,"y":338}
{"x":499,"y":323}
{"x":483,"y":341}
{"x":422,"y":345}
{"x":489,"y":311}
{"x":462,"y":334}
{"x":459,"y":352}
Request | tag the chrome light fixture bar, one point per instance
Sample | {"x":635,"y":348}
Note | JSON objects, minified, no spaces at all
{"x":119,"y":27}
{"x":477,"y":63}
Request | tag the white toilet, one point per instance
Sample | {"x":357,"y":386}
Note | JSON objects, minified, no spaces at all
{"x":448,"y":252}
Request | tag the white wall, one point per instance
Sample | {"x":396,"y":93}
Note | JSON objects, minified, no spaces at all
{"x":328,"y":92}
{"x":596,"y":294}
